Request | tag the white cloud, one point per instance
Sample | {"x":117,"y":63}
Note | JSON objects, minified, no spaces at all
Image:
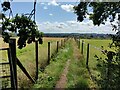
{"x":45,"y":7}
{"x":74,"y":27}
{"x":53,"y":2}
{"x":42,"y":3}
{"x":51,"y":14}
{"x":68,"y":7}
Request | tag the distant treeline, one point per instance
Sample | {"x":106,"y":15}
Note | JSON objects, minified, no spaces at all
{"x":84,"y":35}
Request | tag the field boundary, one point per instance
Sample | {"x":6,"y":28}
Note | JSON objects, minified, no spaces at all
{"x":15,"y":61}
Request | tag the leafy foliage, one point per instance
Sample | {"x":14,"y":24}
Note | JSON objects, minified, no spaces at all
{"x":6,"y":6}
{"x":25,"y":28}
{"x":101,"y":11}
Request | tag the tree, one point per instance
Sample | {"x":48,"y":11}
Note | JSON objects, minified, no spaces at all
{"x":22,"y":25}
{"x":101,"y":12}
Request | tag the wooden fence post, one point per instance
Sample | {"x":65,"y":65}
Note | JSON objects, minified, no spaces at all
{"x":36,"y":53}
{"x":61,"y":43}
{"x":57,"y":45}
{"x":48,"y":53}
{"x":11,"y":70}
{"x":87,"y":61}
{"x":64,"y":42}
{"x":82,"y":47}
{"x":13,"y":63}
{"x":24,"y":70}
{"x":109,"y":63}
{"x":79,"y":44}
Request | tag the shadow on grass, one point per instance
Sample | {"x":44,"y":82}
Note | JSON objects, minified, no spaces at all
{"x":93,"y":78}
{"x":81,"y":84}
{"x":45,"y":64}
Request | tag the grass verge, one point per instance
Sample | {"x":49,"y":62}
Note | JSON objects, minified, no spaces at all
{"x":78,"y":76}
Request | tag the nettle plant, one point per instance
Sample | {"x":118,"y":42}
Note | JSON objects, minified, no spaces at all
{"x":22,"y":26}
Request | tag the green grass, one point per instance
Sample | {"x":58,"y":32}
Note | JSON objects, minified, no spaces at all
{"x":27,"y":58}
{"x":99,"y":42}
{"x":77,"y":75}
{"x":50,"y":76}
{"x":95,"y":49}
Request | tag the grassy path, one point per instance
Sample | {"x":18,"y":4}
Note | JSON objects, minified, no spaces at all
{"x":78,"y":76}
{"x":63,"y":78}
{"x":49,"y":77}
{"x":67,"y":70}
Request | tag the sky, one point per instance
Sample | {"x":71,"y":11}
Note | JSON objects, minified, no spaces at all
{"x":59,"y":17}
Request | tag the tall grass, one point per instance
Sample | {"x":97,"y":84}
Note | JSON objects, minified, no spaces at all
{"x":27,"y":58}
{"x":95,"y":49}
{"x":77,"y":75}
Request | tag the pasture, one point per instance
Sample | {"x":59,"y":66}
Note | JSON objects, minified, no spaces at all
{"x":95,"y":48}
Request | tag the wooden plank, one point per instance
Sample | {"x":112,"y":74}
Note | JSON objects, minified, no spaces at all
{"x":24,"y":70}
{"x":5,"y":76}
{"x":4,"y":48}
{"x":4,"y":63}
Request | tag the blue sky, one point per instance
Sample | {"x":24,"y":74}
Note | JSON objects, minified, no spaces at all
{"x":58,"y":17}
{"x":44,"y":11}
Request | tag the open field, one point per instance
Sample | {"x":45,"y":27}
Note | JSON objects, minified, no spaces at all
{"x":27,"y":57}
{"x":78,"y":76}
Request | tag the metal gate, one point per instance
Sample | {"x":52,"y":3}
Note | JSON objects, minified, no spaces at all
{"x":8,"y":70}
{"x":5,"y":74}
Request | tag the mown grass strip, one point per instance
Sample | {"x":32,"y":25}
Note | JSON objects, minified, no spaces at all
{"x":78,"y":76}
{"x":49,"y":77}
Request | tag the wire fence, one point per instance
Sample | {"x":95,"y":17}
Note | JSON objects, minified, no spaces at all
{"x":90,"y":52}
{"x":22,"y":70}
